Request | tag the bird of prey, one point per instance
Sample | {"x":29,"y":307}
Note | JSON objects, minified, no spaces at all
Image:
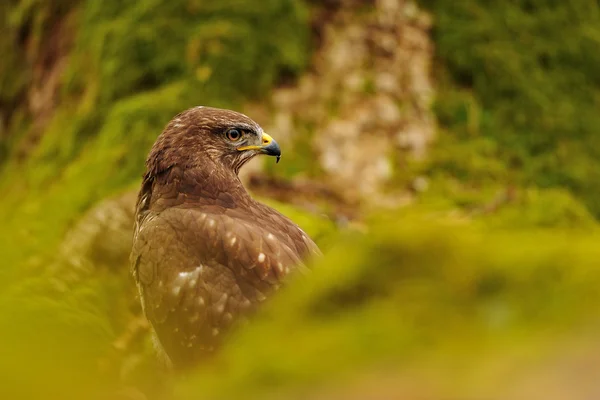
{"x":205,"y":253}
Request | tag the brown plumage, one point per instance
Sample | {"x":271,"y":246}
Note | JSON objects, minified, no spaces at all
{"x":205,"y":253}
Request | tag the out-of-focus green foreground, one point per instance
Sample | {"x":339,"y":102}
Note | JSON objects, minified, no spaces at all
{"x":437,"y":309}
{"x":442,"y":304}
{"x":455,"y":296}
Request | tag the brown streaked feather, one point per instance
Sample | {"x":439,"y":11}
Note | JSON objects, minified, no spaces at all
{"x":205,"y":255}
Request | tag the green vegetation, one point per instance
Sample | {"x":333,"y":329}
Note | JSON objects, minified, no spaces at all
{"x":394,"y":295}
{"x":519,"y":94}
{"x":379,"y":301}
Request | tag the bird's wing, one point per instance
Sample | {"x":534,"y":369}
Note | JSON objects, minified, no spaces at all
{"x":287,"y":231}
{"x":198,"y":271}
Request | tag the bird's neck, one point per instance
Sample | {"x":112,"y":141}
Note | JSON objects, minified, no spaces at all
{"x":212,"y":182}
{"x":201,"y":185}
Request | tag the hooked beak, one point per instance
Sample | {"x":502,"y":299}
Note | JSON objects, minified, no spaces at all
{"x":269,"y":147}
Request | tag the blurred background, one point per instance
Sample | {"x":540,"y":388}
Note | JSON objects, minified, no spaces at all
{"x":444,"y":154}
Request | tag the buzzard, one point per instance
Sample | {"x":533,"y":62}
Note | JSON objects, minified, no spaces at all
{"x":204,"y":252}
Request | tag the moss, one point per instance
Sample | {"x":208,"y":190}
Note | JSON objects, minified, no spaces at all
{"x":519,"y":79}
{"x":62,"y":335}
{"x":142,"y":45}
{"x":549,"y":208}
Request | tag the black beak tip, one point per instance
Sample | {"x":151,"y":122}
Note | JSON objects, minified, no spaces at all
{"x":272,"y":149}
{"x":277,"y":159}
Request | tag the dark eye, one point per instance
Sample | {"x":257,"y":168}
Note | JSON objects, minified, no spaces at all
{"x":234,"y":135}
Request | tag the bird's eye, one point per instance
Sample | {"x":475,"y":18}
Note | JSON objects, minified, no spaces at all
{"x":234,"y":135}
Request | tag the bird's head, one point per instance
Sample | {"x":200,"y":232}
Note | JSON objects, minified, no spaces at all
{"x":204,"y":134}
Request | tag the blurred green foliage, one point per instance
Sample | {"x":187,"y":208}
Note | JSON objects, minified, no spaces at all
{"x":519,"y":94}
{"x":437,"y":291}
{"x":382,"y":297}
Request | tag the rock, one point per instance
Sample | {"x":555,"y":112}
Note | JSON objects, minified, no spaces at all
{"x":366,"y":101}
